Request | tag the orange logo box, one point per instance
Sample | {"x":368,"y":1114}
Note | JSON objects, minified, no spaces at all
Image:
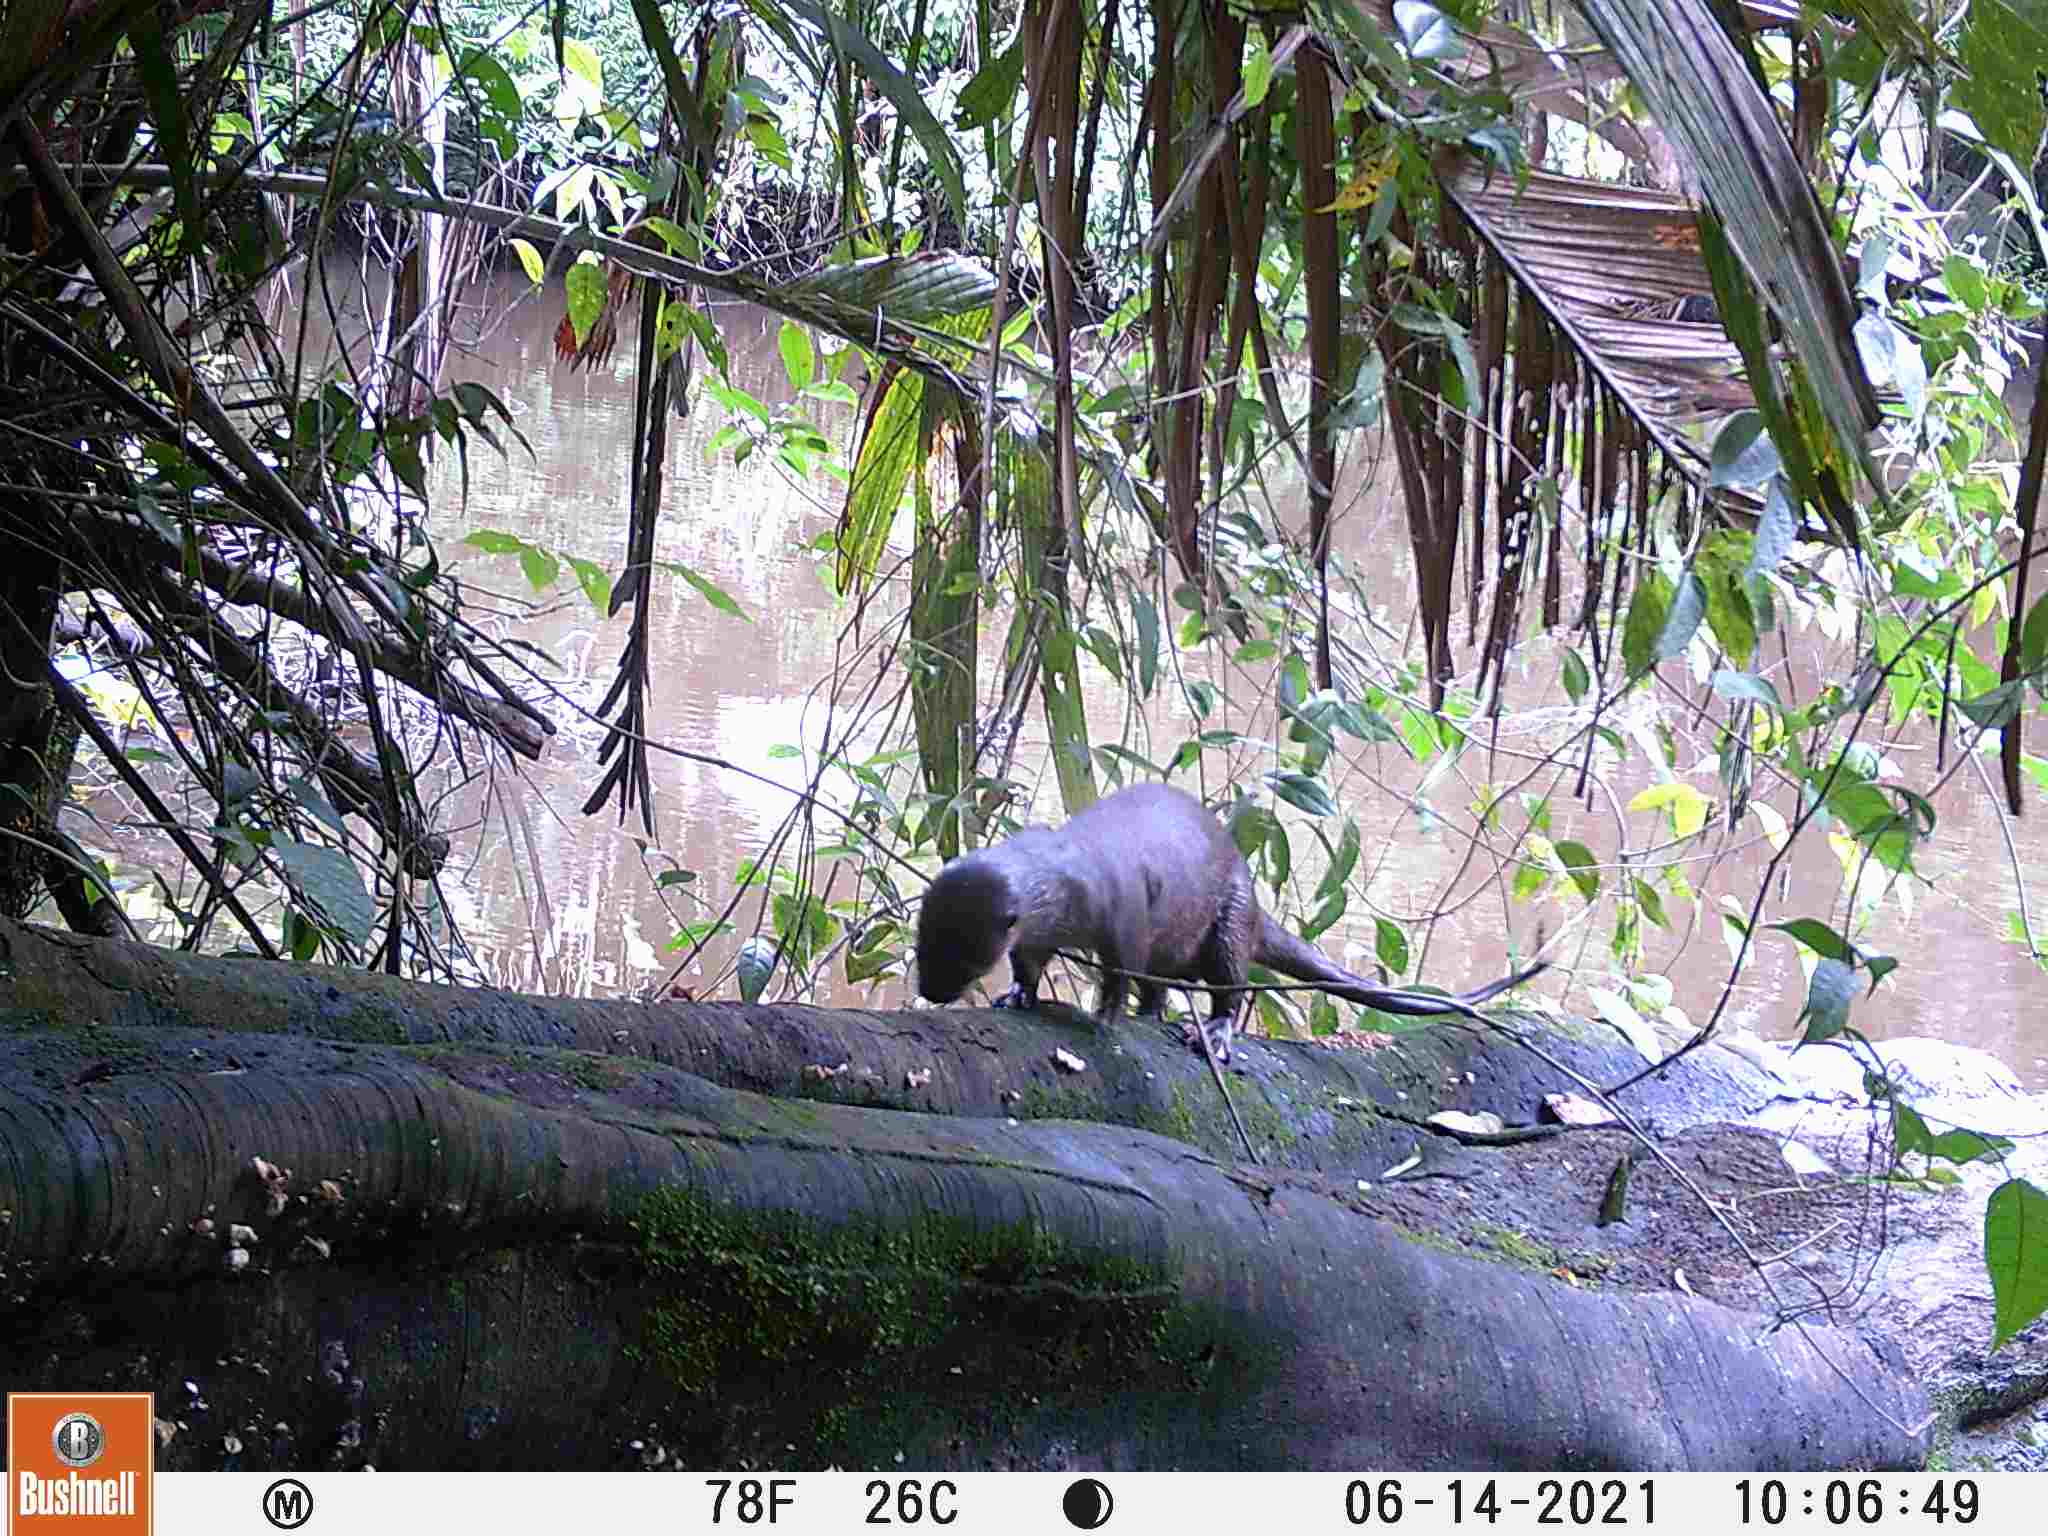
{"x":81,"y":1463}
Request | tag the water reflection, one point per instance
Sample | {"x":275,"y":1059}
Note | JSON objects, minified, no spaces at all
{"x":557,"y":902}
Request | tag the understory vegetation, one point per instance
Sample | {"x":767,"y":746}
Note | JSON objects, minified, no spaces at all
{"x":1681,"y":346}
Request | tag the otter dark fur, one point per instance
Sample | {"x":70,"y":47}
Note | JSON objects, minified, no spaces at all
{"x":1148,"y":881}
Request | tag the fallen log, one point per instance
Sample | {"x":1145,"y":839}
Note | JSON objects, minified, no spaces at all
{"x":519,"y":1255}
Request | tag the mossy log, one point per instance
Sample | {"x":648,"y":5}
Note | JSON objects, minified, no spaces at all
{"x":487,"y":1247}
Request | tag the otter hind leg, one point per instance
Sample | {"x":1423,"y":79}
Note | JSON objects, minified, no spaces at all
{"x":1225,"y":963}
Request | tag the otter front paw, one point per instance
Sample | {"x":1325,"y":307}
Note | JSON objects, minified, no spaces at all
{"x":1017,"y":997}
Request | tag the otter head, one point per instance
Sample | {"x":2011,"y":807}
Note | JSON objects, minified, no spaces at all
{"x":963,"y":928}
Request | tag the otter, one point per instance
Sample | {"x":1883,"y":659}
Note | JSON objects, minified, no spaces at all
{"x":1149,"y":882}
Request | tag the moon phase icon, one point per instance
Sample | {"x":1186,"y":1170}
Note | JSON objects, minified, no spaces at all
{"x":1087,"y":1503}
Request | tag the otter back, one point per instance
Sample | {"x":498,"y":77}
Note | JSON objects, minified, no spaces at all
{"x":1144,"y":879}
{"x":1150,"y":883}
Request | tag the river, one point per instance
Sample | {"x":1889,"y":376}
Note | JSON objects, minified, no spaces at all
{"x":557,"y":902}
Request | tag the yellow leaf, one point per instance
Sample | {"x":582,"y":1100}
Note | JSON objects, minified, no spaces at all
{"x":529,"y":258}
{"x":1982,"y":604}
{"x":1688,"y":807}
{"x":1360,"y":191}
{"x":1774,"y":824}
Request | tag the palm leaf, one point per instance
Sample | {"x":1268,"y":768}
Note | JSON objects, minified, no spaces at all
{"x":1570,"y":297}
{"x":1701,"y":89}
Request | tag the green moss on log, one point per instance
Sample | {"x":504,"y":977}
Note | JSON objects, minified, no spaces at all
{"x":890,"y":1330}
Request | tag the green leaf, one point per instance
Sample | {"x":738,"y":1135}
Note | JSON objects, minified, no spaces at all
{"x":1342,"y":862}
{"x":1648,"y":610}
{"x":493,"y":541}
{"x":2002,"y":51}
{"x":992,"y":91}
{"x":1364,"y":722}
{"x":1580,"y":864}
{"x":1102,"y":645}
{"x":585,"y":283}
{"x":756,"y":964}
{"x":1651,"y":903}
{"x":318,"y":805}
{"x":1743,"y":452}
{"x":1576,"y":678}
{"x":1728,"y":612}
{"x":1247,"y":826}
{"x":1682,"y":622}
{"x":1279,"y":853}
{"x":1965,"y":283}
{"x":799,"y":356}
{"x":1145,"y":618}
{"x":700,"y":932}
{"x":403,"y":454}
{"x":882,"y":467}
{"x":1817,"y":936}
{"x":301,"y":938}
{"x":1424,"y":321}
{"x":1861,"y":807}
{"x":2034,"y":637}
{"x":1325,"y":916}
{"x":1303,"y":793}
{"x":502,"y":108}
{"x":1257,"y":72}
{"x":2016,"y":1254}
{"x":1828,"y":996}
{"x":1997,"y":708}
{"x":679,"y":240}
{"x":707,"y":589}
{"x":1777,"y":530}
{"x":329,"y":880}
{"x":1390,"y":945}
{"x":1915,"y":576}
{"x":874,"y":953}
{"x":595,"y":581}
{"x":671,"y":329}
{"x":1958,"y":1144}
{"x":1744,"y":685}
{"x":541,"y":568}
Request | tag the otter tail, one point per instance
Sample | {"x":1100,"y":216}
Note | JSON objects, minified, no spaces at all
{"x":1291,"y":956}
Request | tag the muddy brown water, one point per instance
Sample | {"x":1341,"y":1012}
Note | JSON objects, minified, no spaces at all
{"x":556,"y":902}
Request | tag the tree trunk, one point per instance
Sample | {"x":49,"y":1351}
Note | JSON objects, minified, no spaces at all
{"x":496,"y":1252}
